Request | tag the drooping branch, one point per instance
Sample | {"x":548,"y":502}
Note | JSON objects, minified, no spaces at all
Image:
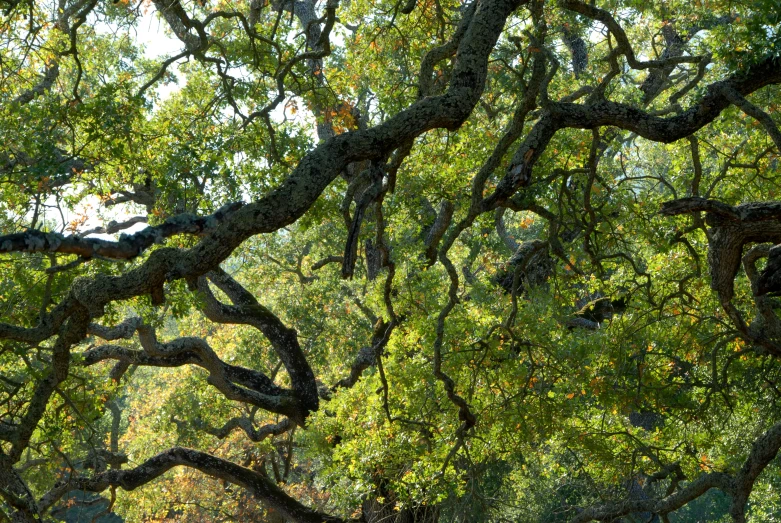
{"x":284,"y":206}
{"x":756,"y":113}
{"x":280,"y":207}
{"x":259,"y":485}
{"x":246,"y":310}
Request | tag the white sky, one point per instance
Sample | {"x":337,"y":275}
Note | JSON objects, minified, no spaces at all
{"x":151,"y":33}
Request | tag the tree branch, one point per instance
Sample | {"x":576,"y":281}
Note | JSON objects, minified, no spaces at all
{"x":259,"y":485}
{"x":126,"y":248}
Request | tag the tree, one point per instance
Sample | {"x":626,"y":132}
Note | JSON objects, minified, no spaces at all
{"x":519,"y":260}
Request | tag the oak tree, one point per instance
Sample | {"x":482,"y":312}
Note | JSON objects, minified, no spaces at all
{"x":379,"y":260}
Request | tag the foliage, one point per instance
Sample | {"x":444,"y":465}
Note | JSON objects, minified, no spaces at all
{"x":499,"y":348}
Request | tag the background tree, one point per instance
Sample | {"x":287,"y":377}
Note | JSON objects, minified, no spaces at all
{"x":416,"y":261}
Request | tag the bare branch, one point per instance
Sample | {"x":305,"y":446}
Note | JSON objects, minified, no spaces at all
{"x":115,"y":227}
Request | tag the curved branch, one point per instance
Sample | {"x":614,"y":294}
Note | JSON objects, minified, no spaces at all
{"x":302,"y":187}
{"x":603,"y":112}
{"x":255,"y":434}
{"x":665,"y":505}
{"x":756,"y":113}
{"x":368,"y":355}
{"x":739,"y":487}
{"x":123,"y":331}
{"x":114,"y":227}
{"x":731,"y":229}
{"x":259,"y":485}
{"x":246,"y":310}
{"x":236,"y":383}
{"x":763,"y":451}
{"x":595,"y":13}
{"x":325,"y":261}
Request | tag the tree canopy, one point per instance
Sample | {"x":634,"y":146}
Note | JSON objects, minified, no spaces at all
{"x":390,"y":260}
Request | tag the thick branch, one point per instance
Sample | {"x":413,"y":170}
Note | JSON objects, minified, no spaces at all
{"x":246,"y":310}
{"x":236,"y":383}
{"x":603,"y":112}
{"x":438,"y":229}
{"x":259,"y":485}
{"x":295,"y":195}
{"x":731,"y":229}
{"x":763,"y":451}
{"x":127,"y":247}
